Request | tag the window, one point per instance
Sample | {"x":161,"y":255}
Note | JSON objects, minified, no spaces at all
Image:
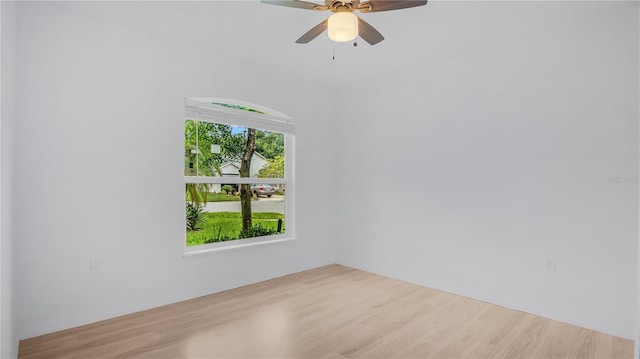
{"x":238,"y":171}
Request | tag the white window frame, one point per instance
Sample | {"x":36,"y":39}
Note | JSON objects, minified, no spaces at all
{"x":203,"y":110}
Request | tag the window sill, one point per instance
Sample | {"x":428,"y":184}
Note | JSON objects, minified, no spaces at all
{"x":230,"y":245}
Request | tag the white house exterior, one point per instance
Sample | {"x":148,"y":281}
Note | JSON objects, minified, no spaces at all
{"x":232,"y":169}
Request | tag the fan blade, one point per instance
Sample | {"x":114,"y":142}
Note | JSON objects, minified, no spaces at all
{"x":313,"y":33}
{"x":382,"y":5}
{"x":368,"y":33}
{"x":293,"y":3}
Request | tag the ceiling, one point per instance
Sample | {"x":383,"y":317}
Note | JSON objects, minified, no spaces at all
{"x":263,"y":36}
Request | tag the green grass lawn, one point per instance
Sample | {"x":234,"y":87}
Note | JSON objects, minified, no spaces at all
{"x":221,"y":197}
{"x":229,"y":224}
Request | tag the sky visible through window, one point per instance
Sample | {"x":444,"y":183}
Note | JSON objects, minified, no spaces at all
{"x":237,"y":129}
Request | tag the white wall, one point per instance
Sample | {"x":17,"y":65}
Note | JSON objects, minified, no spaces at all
{"x":467,"y":173}
{"x":8,"y":337}
{"x":98,"y":158}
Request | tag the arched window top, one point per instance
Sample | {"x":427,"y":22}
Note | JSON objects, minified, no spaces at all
{"x":221,"y":110}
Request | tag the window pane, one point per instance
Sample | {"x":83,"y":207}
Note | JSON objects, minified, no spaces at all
{"x":214,"y":212}
{"x":216,"y":150}
{"x":190,"y":148}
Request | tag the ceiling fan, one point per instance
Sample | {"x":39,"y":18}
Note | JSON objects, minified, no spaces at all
{"x":343,"y":24}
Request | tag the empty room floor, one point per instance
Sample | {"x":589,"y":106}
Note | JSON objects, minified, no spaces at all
{"x":329,"y":312}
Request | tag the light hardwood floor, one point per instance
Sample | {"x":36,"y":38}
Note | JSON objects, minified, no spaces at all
{"x":329,"y":312}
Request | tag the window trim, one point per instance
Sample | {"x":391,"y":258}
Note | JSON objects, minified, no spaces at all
{"x":229,"y":245}
{"x":202,"y":110}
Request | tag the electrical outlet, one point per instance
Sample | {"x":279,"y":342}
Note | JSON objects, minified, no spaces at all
{"x":94,"y":266}
{"x":550,"y":264}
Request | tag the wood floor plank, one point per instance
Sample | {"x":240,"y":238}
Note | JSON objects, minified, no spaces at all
{"x":554,"y":344}
{"x":332,"y":312}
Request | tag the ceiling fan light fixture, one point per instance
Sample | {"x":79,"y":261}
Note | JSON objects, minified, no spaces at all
{"x":343,"y":26}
